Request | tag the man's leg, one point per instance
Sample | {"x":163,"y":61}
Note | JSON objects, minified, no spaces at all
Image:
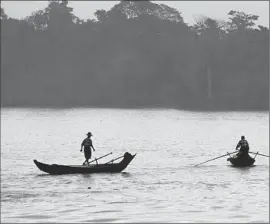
{"x":90,"y":152}
{"x":85,"y":162}
{"x":86,"y":157}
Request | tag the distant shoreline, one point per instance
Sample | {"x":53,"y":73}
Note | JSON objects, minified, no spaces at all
{"x":135,"y":55}
{"x":136,"y":108}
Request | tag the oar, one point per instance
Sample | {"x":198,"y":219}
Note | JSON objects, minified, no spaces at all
{"x":216,"y":158}
{"x":259,"y":154}
{"x":100,"y":157}
{"x":115,"y":159}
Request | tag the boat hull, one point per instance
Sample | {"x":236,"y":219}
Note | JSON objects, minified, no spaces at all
{"x":55,"y":169}
{"x":241,"y":161}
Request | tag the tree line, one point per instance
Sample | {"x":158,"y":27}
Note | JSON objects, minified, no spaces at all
{"x":137,"y":54}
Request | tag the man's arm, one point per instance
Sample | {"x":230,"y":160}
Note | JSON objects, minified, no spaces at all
{"x":238,"y":145}
{"x":82,"y":145}
{"x":92,"y":146}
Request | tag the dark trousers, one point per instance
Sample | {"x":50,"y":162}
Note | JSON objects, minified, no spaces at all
{"x":87,"y":153}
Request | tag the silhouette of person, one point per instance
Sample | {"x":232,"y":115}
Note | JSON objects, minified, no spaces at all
{"x":87,"y":144}
{"x":244,"y":147}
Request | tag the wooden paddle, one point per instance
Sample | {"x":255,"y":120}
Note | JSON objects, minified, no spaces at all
{"x":259,"y":154}
{"x":100,"y":157}
{"x":114,"y":159}
{"x":217,"y":158}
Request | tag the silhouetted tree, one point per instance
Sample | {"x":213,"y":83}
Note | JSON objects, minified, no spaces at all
{"x":241,"y":20}
{"x":138,"y":53}
{"x":3,"y":14}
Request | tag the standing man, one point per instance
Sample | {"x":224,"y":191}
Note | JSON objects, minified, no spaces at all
{"x":87,"y":143}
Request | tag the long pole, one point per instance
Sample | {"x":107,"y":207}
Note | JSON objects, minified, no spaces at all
{"x":259,"y":154}
{"x":100,"y":157}
{"x":115,"y":159}
{"x":216,"y":158}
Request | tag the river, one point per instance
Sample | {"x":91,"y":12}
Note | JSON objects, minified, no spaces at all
{"x":161,"y":184}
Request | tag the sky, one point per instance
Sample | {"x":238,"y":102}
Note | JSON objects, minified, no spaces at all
{"x":190,"y":10}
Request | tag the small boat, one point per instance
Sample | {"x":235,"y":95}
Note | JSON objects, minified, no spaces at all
{"x":108,"y":167}
{"x":241,"y":161}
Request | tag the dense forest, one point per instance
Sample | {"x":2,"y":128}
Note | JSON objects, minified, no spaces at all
{"x":137,"y":54}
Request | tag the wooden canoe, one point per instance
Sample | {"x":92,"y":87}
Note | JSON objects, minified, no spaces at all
{"x":241,"y":161}
{"x":55,"y":169}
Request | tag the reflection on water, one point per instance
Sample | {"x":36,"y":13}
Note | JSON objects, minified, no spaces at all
{"x":160,"y":185}
{"x":125,"y":174}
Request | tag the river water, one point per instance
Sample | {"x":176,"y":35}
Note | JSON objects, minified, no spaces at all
{"x":159,"y":185}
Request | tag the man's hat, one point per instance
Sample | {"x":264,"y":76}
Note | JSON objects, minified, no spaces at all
{"x":89,"y":133}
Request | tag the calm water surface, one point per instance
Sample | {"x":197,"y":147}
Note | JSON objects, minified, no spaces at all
{"x":160,"y":184}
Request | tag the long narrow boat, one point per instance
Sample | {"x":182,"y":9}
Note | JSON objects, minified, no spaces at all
{"x":241,"y":161}
{"x":97,"y":168}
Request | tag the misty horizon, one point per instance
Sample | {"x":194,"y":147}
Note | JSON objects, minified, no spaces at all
{"x":136,"y":55}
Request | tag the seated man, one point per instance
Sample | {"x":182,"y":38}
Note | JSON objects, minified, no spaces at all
{"x":244,"y":147}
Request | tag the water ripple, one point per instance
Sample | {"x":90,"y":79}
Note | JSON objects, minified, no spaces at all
{"x":160,"y":185}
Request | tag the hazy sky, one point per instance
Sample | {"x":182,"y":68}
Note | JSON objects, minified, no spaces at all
{"x":189,"y":9}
